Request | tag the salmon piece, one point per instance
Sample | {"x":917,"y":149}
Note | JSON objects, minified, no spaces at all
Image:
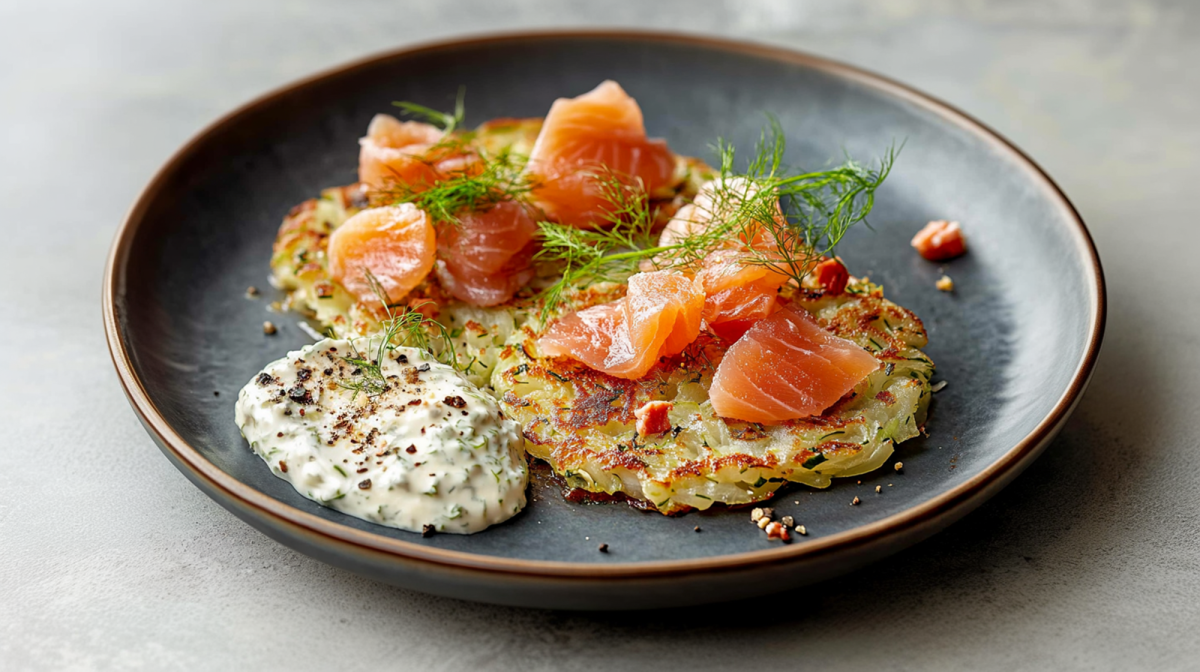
{"x":600,"y":132}
{"x":940,"y":240}
{"x":410,"y":153}
{"x":658,"y":317}
{"x":396,"y":243}
{"x":737,"y":292}
{"x":786,"y":367}
{"x":664,"y":312}
{"x":831,"y":275}
{"x":484,"y":290}
{"x":598,"y":336}
{"x":394,"y":152}
{"x":487,"y":256}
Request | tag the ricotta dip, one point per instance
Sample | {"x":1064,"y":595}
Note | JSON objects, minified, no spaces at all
{"x":420,"y":449}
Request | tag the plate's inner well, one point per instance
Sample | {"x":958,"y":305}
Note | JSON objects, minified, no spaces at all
{"x":1008,"y":340}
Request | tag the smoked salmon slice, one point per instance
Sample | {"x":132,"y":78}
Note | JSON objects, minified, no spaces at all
{"x":396,"y":244}
{"x":411,"y":154}
{"x":596,"y":134}
{"x":664,"y":309}
{"x":786,"y":367}
{"x":394,"y":152}
{"x":659,"y":316}
{"x":737,"y":292}
{"x":486,"y":256}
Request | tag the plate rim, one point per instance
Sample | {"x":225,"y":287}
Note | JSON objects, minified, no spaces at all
{"x":991,"y":477}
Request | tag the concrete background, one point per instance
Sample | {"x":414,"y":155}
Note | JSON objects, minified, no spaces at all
{"x":109,"y":559}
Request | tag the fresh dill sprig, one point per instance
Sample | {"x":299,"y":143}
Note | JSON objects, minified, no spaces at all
{"x":483,"y":180}
{"x":490,"y":179}
{"x":447,"y":121}
{"x":800,"y":216}
{"x":606,"y":254}
{"x":408,"y":327}
{"x":367,"y":376}
{"x":794,"y":218}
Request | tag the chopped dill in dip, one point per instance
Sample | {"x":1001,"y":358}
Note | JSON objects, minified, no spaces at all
{"x":418,"y":446}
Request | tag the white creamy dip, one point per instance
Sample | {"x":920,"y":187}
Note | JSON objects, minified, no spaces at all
{"x":430,"y":452}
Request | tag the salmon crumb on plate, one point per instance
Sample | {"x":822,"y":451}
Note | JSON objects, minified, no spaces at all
{"x":660,"y":329}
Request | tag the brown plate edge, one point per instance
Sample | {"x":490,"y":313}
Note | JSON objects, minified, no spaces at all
{"x":928,"y":516}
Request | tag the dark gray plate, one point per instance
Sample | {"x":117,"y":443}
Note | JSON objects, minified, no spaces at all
{"x":1016,"y":340}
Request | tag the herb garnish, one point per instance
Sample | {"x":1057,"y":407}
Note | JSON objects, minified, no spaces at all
{"x":490,"y":179}
{"x":484,"y":179}
{"x":408,"y":327}
{"x":447,"y":121}
{"x":818,"y":208}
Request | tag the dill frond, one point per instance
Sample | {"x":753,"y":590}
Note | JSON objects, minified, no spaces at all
{"x":801,"y":216}
{"x":606,"y":254}
{"x":483,"y":180}
{"x":447,"y":121}
{"x":489,"y":179}
{"x":407,"y":327}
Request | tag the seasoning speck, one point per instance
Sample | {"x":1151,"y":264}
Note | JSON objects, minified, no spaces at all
{"x":856,"y":502}
{"x":945,"y":284}
{"x":899,"y":466}
{"x":283,"y":466}
{"x":879,"y":488}
{"x":788,"y":521}
{"x":269,"y":328}
{"x":696,"y":528}
{"x":427,"y":530}
{"x":298,"y":394}
{"x":364,"y":484}
{"x":603,"y":548}
{"x":251,"y":291}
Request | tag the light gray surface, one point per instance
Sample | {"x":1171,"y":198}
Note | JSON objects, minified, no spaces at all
{"x":110,"y":559}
